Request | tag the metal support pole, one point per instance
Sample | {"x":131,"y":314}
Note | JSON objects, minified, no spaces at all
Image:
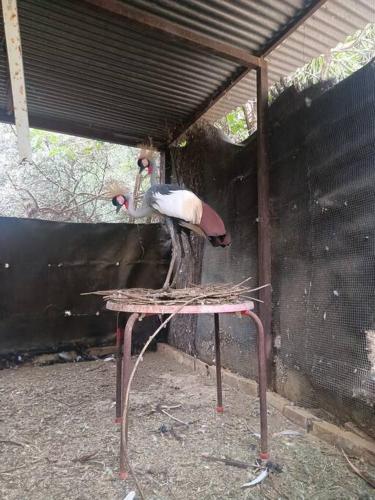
{"x":17,"y":77}
{"x":262,"y":381}
{"x":118,"y":374}
{"x":125,"y":380}
{"x":168,"y":166}
{"x":162,"y":167}
{"x":219,"y":407}
{"x":264,"y":228}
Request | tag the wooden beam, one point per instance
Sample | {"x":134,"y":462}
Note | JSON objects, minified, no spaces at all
{"x":297,"y":21}
{"x":264,"y":227}
{"x":291,"y":27}
{"x":221,"y":92}
{"x":197,"y":40}
{"x":66,"y":126}
{"x":17,"y":77}
{"x":166,"y":165}
{"x":162,"y":166}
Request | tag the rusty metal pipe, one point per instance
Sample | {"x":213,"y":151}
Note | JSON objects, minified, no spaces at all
{"x":118,"y":374}
{"x":219,"y":389}
{"x":262,"y":377}
{"x":126,"y":360}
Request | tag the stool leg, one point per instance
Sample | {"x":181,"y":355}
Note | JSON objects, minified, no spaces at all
{"x":219,"y":407}
{"x":118,"y":375}
{"x":125,"y":380}
{"x":262,"y":376}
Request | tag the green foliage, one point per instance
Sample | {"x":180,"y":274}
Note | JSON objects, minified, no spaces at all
{"x":341,"y":62}
{"x":346,"y":58}
{"x":237,"y":125}
{"x":66,"y":179}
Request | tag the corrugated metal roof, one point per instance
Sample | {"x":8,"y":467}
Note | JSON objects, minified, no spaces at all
{"x":91,"y":69}
{"x":92,"y":73}
{"x":327,"y":27}
{"x":245,"y":24}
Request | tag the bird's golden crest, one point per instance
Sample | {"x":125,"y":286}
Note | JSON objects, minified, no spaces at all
{"x":114,"y":188}
{"x":147,"y":151}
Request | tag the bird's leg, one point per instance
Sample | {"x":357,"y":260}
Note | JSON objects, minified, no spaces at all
{"x":172,"y":233}
{"x":181,"y":244}
{"x":188,"y":236}
{"x":179,"y":253}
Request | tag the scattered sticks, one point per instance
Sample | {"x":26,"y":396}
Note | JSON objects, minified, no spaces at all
{"x":229,"y":461}
{"x":369,"y":480}
{"x":173,"y":418}
{"x":196,"y":294}
{"x":85,"y":458}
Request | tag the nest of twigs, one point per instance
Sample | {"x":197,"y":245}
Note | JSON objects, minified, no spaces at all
{"x":225,"y":293}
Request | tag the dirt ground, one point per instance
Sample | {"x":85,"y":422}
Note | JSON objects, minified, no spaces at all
{"x":58,"y":439}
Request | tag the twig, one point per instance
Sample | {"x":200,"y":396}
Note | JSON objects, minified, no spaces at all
{"x":230,"y":461}
{"x":96,"y":368}
{"x":8,"y":471}
{"x":68,"y":405}
{"x":174,"y":418}
{"x":204,"y":294}
{"x":15,"y":443}
{"x":85,"y":458}
{"x":362,"y":475}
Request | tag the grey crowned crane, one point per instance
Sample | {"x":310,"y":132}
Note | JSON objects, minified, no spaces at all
{"x":147,"y":165}
{"x":182,"y":210}
{"x":147,"y":162}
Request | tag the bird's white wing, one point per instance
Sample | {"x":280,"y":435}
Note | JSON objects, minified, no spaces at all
{"x":181,"y":204}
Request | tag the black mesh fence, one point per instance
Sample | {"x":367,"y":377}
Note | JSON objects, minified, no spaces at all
{"x":323,"y":186}
{"x":45,"y":266}
{"x":323,"y":241}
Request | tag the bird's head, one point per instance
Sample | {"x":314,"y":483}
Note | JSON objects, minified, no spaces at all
{"x":145,"y":164}
{"x":119,"y":201}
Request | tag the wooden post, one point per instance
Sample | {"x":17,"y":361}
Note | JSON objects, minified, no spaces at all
{"x":166,"y":165}
{"x":14,"y":50}
{"x":162,"y":166}
{"x":264,"y":228}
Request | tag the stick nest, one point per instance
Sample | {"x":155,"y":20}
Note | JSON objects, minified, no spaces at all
{"x":226,"y":293}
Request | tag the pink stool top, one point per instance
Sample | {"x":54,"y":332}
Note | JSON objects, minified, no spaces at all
{"x":192,"y":309}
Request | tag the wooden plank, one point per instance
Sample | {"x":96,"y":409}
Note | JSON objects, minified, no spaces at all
{"x":176,"y":31}
{"x":264,"y":227}
{"x":17,"y":77}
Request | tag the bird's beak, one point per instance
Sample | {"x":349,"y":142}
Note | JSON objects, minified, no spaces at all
{"x":118,"y":208}
{"x":140,"y":165}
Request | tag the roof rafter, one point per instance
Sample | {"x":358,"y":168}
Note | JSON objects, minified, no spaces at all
{"x":221,"y":92}
{"x":299,"y":19}
{"x":151,"y":21}
{"x":66,"y":126}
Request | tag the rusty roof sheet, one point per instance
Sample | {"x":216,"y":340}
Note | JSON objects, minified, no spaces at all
{"x":94,"y":74}
{"x":327,"y":27}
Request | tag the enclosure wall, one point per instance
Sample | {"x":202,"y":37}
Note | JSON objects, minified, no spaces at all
{"x":323,"y":246}
{"x":45,"y":266}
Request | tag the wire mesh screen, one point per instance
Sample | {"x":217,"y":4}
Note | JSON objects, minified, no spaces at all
{"x":323,"y":243}
{"x":323,"y":181}
{"x":45,"y":266}
{"x":224,"y":175}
